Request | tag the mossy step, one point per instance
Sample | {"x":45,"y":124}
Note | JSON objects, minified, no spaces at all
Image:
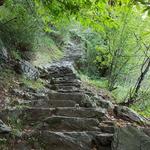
{"x":32,"y":115}
{"x":49,"y":103}
{"x":49,"y":140}
{"x":64,"y":123}
{"x":67,"y":96}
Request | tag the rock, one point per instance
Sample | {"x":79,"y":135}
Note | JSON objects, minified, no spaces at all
{"x":128,"y":114}
{"x":103,"y":141}
{"x":48,"y":103}
{"x":29,"y":94}
{"x":88,"y":102}
{"x":104,"y":103}
{"x":49,"y":140}
{"x":63,"y":123}
{"x":107,"y":127}
{"x":97,"y":113}
{"x":130,"y":138}
{"x":4,"y":129}
{"x":3,"y":52}
{"x":32,"y":115}
{"x":78,"y":97}
{"x":146,"y":131}
{"x":26,"y":68}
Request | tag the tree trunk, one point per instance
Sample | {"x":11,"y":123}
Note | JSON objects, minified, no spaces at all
{"x":137,"y":87}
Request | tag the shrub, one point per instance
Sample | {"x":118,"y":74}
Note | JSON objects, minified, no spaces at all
{"x":18,"y":27}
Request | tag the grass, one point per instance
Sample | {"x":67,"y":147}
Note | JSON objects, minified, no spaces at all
{"x":7,"y":78}
{"x":47,"y":52}
{"x":120,"y":93}
{"x":35,"y":84}
{"x":99,"y":83}
{"x":143,"y":105}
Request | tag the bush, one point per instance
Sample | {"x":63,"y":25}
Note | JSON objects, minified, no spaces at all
{"x":18,"y":27}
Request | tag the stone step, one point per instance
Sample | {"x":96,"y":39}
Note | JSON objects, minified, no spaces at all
{"x":59,"y":70}
{"x":48,"y":140}
{"x":76,"y":90}
{"x":56,"y":75}
{"x":67,"y":78}
{"x":78,"y":97}
{"x":107,"y":127}
{"x":64,"y":81}
{"x":25,"y":115}
{"x":103,"y":141}
{"x":49,"y":103}
{"x":62,"y":87}
{"x":63,"y":123}
{"x":81,"y":112}
{"x":32,"y":115}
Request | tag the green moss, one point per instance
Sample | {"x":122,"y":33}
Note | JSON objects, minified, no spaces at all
{"x":99,"y":83}
{"x":47,"y":52}
{"x":35,"y":84}
{"x":16,"y":54}
{"x":7,"y":78}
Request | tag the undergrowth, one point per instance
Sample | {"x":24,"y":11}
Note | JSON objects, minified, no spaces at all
{"x":38,"y":84}
{"x":142,"y":106}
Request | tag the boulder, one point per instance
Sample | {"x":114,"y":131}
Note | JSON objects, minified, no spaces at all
{"x":26,"y":68}
{"x":130,"y":138}
{"x":104,"y":103}
{"x":63,"y":123}
{"x":127,"y":114}
{"x":103,"y":141}
{"x":49,"y":140}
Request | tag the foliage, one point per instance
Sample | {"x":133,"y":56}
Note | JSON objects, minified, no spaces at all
{"x":38,"y":84}
{"x":98,"y":83}
{"x":143,"y":105}
{"x":18,"y":27}
{"x":116,"y":48}
{"x":47,"y":51}
{"x":57,"y":11}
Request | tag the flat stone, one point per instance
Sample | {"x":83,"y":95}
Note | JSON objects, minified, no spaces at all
{"x":106,"y":128}
{"x":131,"y":138}
{"x":26,"y":115}
{"x":103,"y":141}
{"x":105,"y":104}
{"x":30,"y":115}
{"x":65,"y":81}
{"x":49,"y":103}
{"x":68,"y":84}
{"x":63,"y":123}
{"x":78,"y":97}
{"x":81,"y":112}
{"x":62,"y":87}
{"x":49,"y":140}
{"x":128,"y":114}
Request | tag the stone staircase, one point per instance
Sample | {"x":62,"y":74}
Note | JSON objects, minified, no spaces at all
{"x":60,"y":118}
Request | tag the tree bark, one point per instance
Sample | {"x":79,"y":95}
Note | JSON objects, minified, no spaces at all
{"x":144,"y":71}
